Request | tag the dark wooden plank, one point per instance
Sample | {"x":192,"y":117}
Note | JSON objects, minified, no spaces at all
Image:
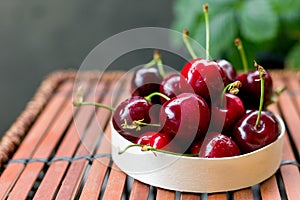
{"x":53,"y":135}
{"x":139,"y":191}
{"x":12,"y":172}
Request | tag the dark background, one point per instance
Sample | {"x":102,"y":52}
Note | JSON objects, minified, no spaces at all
{"x":39,"y":37}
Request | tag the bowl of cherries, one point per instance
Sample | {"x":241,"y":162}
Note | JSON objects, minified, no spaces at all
{"x":194,"y":142}
{"x":204,"y":129}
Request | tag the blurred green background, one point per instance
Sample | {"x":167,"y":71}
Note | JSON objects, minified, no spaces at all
{"x":39,"y":37}
{"x":269,"y":29}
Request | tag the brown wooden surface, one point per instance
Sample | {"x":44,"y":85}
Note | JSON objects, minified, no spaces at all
{"x":59,"y":142}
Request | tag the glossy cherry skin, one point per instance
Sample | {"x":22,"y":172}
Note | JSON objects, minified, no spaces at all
{"x":174,"y":85}
{"x":158,"y":141}
{"x":250,"y":138}
{"x":217,"y":145}
{"x":186,"y":117}
{"x":170,"y":86}
{"x":228,"y":69}
{"x":205,"y":77}
{"x":131,"y":109}
{"x":146,"y":81}
{"x":250,"y":90}
{"x":225,"y":116}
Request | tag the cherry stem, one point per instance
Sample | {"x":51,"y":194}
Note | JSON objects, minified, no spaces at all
{"x":262,"y":74}
{"x":149,"y":97}
{"x":205,"y":9}
{"x":241,"y":49}
{"x":149,"y":148}
{"x":187,"y":43}
{"x":156,"y":60}
{"x":159,"y":63}
{"x":86,"y":103}
{"x":136,"y":124}
{"x":233,"y":89}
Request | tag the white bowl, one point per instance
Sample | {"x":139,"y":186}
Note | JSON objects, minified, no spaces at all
{"x":193,"y":174}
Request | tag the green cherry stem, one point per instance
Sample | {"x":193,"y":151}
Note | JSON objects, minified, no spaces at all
{"x":148,"y":98}
{"x":86,"y":103}
{"x":262,"y":74}
{"x":156,"y":61}
{"x":149,"y":148}
{"x":159,"y":63}
{"x":206,"y":16}
{"x":187,"y":43}
{"x":233,"y":89}
{"x":241,"y":49}
{"x":150,"y":64}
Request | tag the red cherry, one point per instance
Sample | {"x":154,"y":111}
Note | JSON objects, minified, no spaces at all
{"x":205,"y":77}
{"x":228,"y":69}
{"x":174,"y":85}
{"x":250,"y":91}
{"x":186,"y":117}
{"x":133,"y":109}
{"x":170,"y":86}
{"x":229,"y":114}
{"x":250,"y":137}
{"x":158,"y":141}
{"x":146,"y":81}
{"x":217,"y":145}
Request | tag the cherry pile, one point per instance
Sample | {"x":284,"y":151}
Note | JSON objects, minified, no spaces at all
{"x":206,"y":110}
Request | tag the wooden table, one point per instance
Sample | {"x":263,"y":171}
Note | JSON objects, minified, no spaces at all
{"x":55,"y":150}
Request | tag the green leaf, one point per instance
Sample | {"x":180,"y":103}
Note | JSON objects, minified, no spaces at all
{"x":293,"y":57}
{"x":258,"y":21}
{"x":286,"y":6}
{"x":223,"y":30}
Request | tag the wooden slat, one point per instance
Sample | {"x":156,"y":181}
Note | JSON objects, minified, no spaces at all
{"x":12,"y":171}
{"x":290,"y":114}
{"x":244,"y":194}
{"x":56,"y":170}
{"x":139,"y":191}
{"x":290,"y":174}
{"x":189,"y":196}
{"x":100,"y":166}
{"x":32,"y":170}
{"x":115,"y":184}
{"x":95,"y":179}
{"x":70,"y":184}
{"x":217,"y":196}
{"x":117,"y":178}
{"x":269,"y":189}
{"x":165,"y":194}
{"x":91,"y":189}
